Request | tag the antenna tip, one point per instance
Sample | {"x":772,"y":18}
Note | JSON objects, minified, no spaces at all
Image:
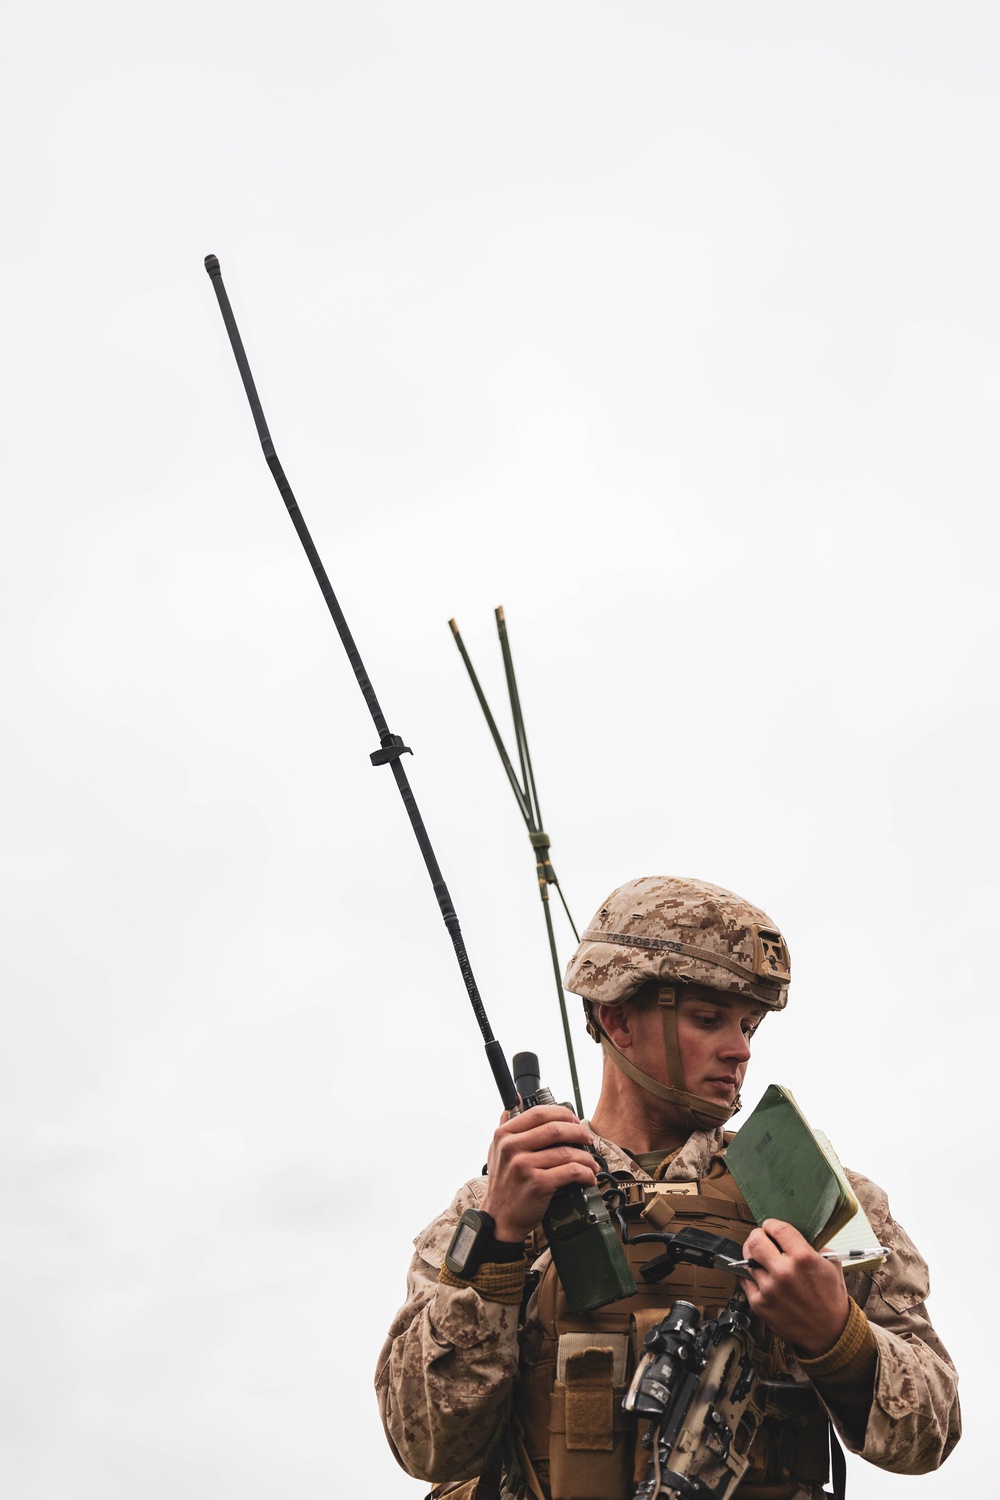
{"x":212,"y":265}
{"x":499,"y":612}
{"x":454,"y":627}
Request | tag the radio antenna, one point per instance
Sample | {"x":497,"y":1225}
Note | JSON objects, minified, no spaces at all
{"x":391,"y":746}
{"x":526,"y":795}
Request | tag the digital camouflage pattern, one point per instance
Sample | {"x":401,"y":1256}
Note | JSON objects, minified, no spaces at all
{"x":446,"y":1373}
{"x":665,"y":928}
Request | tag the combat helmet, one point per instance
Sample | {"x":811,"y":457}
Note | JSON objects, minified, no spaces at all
{"x":668,"y":931}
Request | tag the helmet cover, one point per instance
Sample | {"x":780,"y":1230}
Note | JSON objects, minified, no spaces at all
{"x":668,"y":929}
{"x":673,"y":932}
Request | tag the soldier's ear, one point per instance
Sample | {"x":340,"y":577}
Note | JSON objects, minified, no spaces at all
{"x":615,"y":1022}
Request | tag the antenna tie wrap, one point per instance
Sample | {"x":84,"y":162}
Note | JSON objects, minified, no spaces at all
{"x":392,"y":751}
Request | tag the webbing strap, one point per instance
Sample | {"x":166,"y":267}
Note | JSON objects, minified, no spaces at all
{"x":621,"y":1061}
{"x":715,"y":1113}
{"x":528,"y":1469}
{"x":667,"y":1001}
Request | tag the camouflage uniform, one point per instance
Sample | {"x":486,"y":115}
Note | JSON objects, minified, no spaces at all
{"x":447,"y":1375}
{"x":447,"y":1371}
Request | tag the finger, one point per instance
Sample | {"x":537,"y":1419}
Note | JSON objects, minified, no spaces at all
{"x":761,"y":1248}
{"x":541,"y":1134}
{"x":514,"y":1155}
{"x":785,"y":1236}
{"x":528,"y":1118}
{"x":577,"y":1173}
{"x":530,"y":1166}
{"x":542,"y":1162}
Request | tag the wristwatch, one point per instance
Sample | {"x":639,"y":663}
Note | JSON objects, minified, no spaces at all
{"x":471,"y":1239}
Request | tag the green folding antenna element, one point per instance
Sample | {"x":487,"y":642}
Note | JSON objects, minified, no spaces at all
{"x":526,"y":794}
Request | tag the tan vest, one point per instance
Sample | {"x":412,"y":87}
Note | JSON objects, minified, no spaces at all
{"x":580,"y":1442}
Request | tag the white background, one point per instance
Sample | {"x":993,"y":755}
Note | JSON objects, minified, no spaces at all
{"x":673,"y":329}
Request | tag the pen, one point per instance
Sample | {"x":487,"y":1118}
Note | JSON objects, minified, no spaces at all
{"x":842,"y":1257}
{"x":845,"y":1256}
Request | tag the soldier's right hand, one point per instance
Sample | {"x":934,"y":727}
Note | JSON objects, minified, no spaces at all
{"x":531,"y":1156}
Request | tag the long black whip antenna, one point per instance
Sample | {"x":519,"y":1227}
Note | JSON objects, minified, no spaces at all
{"x":391,"y":746}
{"x":526,"y":794}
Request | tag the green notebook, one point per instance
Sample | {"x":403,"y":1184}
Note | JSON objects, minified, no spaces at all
{"x":786,"y":1170}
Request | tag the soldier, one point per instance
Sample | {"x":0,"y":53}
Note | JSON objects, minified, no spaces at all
{"x":675,"y":977}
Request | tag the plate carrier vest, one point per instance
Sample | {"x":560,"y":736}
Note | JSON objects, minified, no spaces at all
{"x":580,"y":1442}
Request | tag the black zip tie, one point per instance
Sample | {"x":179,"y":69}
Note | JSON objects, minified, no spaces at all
{"x":387,"y":753}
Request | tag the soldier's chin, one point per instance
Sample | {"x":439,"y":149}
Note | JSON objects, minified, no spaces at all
{"x":719,"y":1093}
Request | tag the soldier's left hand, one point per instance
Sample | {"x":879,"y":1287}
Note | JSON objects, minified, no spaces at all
{"x":800,"y":1296}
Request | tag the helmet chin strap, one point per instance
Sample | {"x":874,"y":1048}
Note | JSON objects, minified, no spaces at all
{"x":701,"y":1114}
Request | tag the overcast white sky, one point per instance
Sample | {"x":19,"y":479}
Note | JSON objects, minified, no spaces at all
{"x":672,"y":328}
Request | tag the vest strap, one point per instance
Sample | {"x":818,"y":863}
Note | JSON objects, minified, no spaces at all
{"x":642,"y":1321}
{"x":534,"y":1484}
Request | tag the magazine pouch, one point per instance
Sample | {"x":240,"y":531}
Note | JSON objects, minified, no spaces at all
{"x":590,"y":1436}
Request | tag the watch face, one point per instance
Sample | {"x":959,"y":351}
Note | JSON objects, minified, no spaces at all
{"x":465,"y":1238}
{"x":475,"y":1229}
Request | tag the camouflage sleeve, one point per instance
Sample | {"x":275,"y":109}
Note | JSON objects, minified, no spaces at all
{"x":446,"y":1371}
{"x":914,"y":1420}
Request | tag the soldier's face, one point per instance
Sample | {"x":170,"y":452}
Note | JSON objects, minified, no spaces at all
{"x":713,"y":1039}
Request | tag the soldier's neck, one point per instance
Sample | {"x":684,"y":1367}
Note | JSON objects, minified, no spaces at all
{"x":634,"y":1119}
